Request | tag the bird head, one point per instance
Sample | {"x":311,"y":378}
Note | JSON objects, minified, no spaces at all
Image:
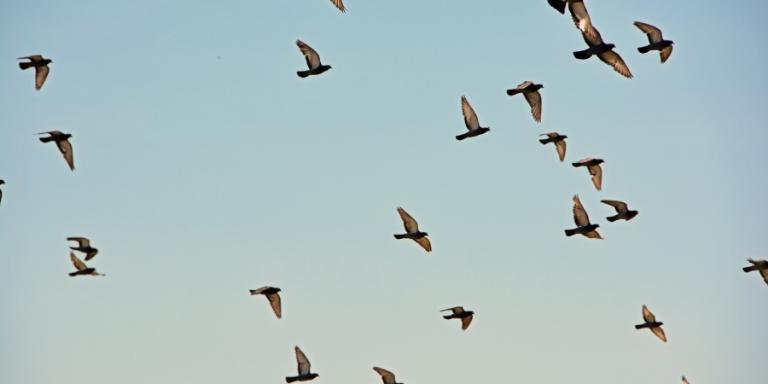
{"x":611,"y":46}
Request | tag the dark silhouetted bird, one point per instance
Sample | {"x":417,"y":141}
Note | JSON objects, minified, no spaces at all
{"x":313,"y":61}
{"x":273,"y":296}
{"x":84,"y":246}
{"x":471,"y":121}
{"x":303,"y":368}
{"x":459,"y":313}
{"x":656,"y":41}
{"x":622,"y":210}
{"x":758,"y":265}
{"x":41,"y":68}
{"x":412,"y":230}
{"x":558,"y":139}
{"x":386,"y":376}
{"x":593,"y":165}
{"x":581,"y":18}
{"x":583,"y":226}
{"x":652,"y":324}
{"x":532,"y":96}
{"x":339,"y":4}
{"x":559,"y":5}
{"x":1,"y":192}
{"x":62,"y":141}
{"x":82,"y":269}
{"x":604,"y":52}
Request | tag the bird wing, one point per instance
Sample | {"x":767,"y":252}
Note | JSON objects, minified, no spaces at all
{"x":41,"y":73}
{"x":409,"y":222}
{"x":619,"y":206}
{"x":559,"y":5}
{"x":648,"y":316}
{"x":424,"y":243}
{"x":614,"y":60}
{"x":465,"y":322}
{"x":274,"y":301}
{"x":455,"y":310}
{"x":470,"y":117}
{"x":583,"y":161}
{"x":386,"y":376}
{"x":594,"y":38}
{"x":654,"y":34}
{"x":65,"y":147}
{"x":764,"y":273}
{"x":91,"y":254}
{"x":579,"y":213}
{"x":665,"y":54}
{"x":560,"y":146}
{"x":51,"y":133}
{"x":593,"y":234}
{"x":81,"y":241}
{"x":339,"y":4}
{"x":685,"y":381}
{"x":659,"y":333}
{"x":597,"y":176}
{"x":79,"y":264}
{"x":32,"y":58}
{"x":534,"y":100}
{"x":582,"y":20}
{"x":313,"y":59}
{"x":259,"y":290}
{"x":303,"y":363}
{"x":524,"y":85}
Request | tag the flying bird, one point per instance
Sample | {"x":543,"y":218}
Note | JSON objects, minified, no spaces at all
{"x":656,"y":41}
{"x":604,"y":52}
{"x":471,"y":121}
{"x":531,"y":93}
{"x":622,"y":210}
{"x":758,"y":265}
{"x":581,"y":18}
{"x":273,"y":296}
{"x":339,"y":4}
{"x":558,"y":139}
{"x":41,"y":68}
{"x":559,"y":5}
{"x":583,"y":226}
{"x":459,"y":313}
{"x":62,"y":141}
{"x":652,"y":324}
{"x":313,"y":61}
{"x":84,"y":246}
{"x":386,"y":376}
{"x":82,"y":269}
{"x":593,"y":166}
{"x":1,"y":192}
{"x":412,"y":230}
{"x":303,"y":368}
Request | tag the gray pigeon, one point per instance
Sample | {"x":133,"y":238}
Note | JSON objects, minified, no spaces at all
{"x":1,"y":192}
{"x":583,"y":226}
{"x":622,"y":210}
{"x":471,"y":121}
{"x":652,"y":324}
{"x":41,"y":68}
{"x":412,"y":230}
{"x":313,"y":61}
{"x":62,"y":141}
{"x":656,"y":41}
{"x":459,"y":313}
{"x":387,"y":377}
{"x":82,"y":269}
{"x":559,"y":5}
{"x":303,"y":368}
{"x":273,"y":296}
{"x":84,"y":246}
{"x":604,"y":52}
{"x":593,"y":166}
{"x":339,"y":4}
{"x":760,"y":266}
{"x":581,"y":18}
{"x":558,"y":139}
{"x":531,"y":93}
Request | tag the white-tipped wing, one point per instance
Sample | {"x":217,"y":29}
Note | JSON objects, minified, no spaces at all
{"x":386,"y":376}
{"x":302,"y":361}
{"x":313,"y":59}
{"x":409,"y":222}
{"x":470,"y":117}
{"x":654,"y":34}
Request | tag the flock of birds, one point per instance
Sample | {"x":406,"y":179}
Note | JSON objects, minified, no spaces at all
{"x":530,"y":91}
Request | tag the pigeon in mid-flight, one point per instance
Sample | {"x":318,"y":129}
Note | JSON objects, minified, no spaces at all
{"x":758,"y":265}
{"x":41,"y":68}
{"x":412,"y":230}
{"x":84,"y":246}
{"x":459,"y":313}
{"x":604,"y":52}
{"x":313,"y":61}
{"x":559,"y":5}
{"x":622,"y":210}
{"x":387,"y":377}
{"x":62,"y":141}
{"x":273,"y":295}
{"x":471,"y":121}
{"x":593,"y":166}
{"x":581,"y":18}
{"x":303,"y":368}
{"x":82,"y":269}
{"x":656,"y":41}
{"x":1,"y":192}
{"x":652,"y":324}
{"x":558,"y":139}
{"x":583,"y":226}
{"x":339,"y":4}
{"x":531,"y":93}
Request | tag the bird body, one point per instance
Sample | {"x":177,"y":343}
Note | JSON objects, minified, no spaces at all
{"x":313,"y":61}
{"x":470,"y":121}
{"x":303,"y":368}
{"x":41,"y":68}
{"x":531,"y":93}
{"x":656,"y":41}
{"x":559,"y":140}
{"x":82,"y":269}
{"x":62,"y":142}
{"x":272,"y":294}
{"x":412,"y":230}
{"x":583,"y":226}
{"x":650,"y":323}
{"x":459,"y":313}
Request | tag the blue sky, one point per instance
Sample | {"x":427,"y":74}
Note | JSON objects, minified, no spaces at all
{"x":205,"y":168}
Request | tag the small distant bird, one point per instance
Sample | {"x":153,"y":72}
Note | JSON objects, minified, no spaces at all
{"x":758,"y":265}
{"x":652,"y":324}
{"x":82,"y":269}
{"x":84,"y":246}
{"x":593,"y":165}
{"x":581,"y":18}
{"x":459,"y":313}
{"x":386,"y":376}
{"x":471,"y":121}
{"x":273,"y":296}
{"x":41,"y":68}
{"x":339,"y":4}
{"x":622,"y":210}
{"x":412,"y":230}
{"x":558,"y":139}
{"x":532,"y":96}
{"x":62,"y":141}
{"x":656,"y":41}
{"x":1,"y":192}
{"x":604,"y":52}
{"x":685,"y":381}
{"x":559,"y":5}
{"x":313,"y":61}
{"x":303,"y":368}
{"x":583,"y":226}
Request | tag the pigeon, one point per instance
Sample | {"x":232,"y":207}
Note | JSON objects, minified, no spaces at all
{"x":593,"y":165}
{"x":412,"y":230}
{"x":559,"y":5}
{"x":386,"y":376}
{"x":340,"y":5}
{"x":84,"y":246}
{"x":604,"y":52}
{"x":758,"y":265}
{"x":583,"y":226}
{"x":622,"y":210}
{"x":313,"y":61}
{"x":685,"y":381}
{"x":303,"y":368}
{"x":62,"y":141}
{"x":1,"y":192}
{"x":581,"y":18}
{"x":652,"y":324}
{"x":82,"y":269}
{"x":41,"y":68}
{"x":471,"y":121}
{"x":459,"y":313}
{"x":558,"y":139}
{"x":656,"y":41}
{"x":532,"y":96}
{"x":273,"y":296}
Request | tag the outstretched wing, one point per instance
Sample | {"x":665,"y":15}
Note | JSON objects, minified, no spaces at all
{"x":274,"y":302}
{"x":424,"y":243}
{"x":654,"y":34}
{"x":32,"y":58}
{"x":665,"y":54}
{"x":579,"y":214}
{"x":302,"y":361}
{"x":386,"y":376}
{"x":465,"y":322}
{"x":65,"y":147}
{"x":313,"y":59}
{"x":614,"y":60}
{"x":470,"y":117}
{"x":81,"y":241}
{"x":581,"y":18}
{"x":560,"y":146}
{"x":41,"y":73}
{"x":409,"y":222}
{"x":619,"y":206}
{"x":534,"y":100}
{"x":597,"y":176}
{"x":77,"y":262}
{"x":339,"y":4}
{"x":455,"y":310}
{"x":659,"y":333}
{"x":648,"y":316}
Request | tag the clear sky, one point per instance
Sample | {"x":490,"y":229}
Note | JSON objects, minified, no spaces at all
{"x":206,"y":167}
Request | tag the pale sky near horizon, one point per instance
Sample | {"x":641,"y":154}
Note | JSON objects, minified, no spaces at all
{"x":206,"y":167}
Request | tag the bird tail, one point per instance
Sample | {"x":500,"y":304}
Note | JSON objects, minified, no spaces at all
{"x":303,"y":74}
{"x":571,"y":232}
{"x":73,"y":274}
{"x":750,"y":268}
{"x":641,"y":326}
{"x":612,"y":218}
{"x":46,"y":139}
{"x":582,"y":55}
{"x":400,"y":237}
{"x":462,"y":136}
{"x":447,"y":317}
{"x":544,"y":141}
{"x":645,"y":49}
{"x":25,"y":65}
{"x":291,"y":379}
{"x":512,"y":92}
